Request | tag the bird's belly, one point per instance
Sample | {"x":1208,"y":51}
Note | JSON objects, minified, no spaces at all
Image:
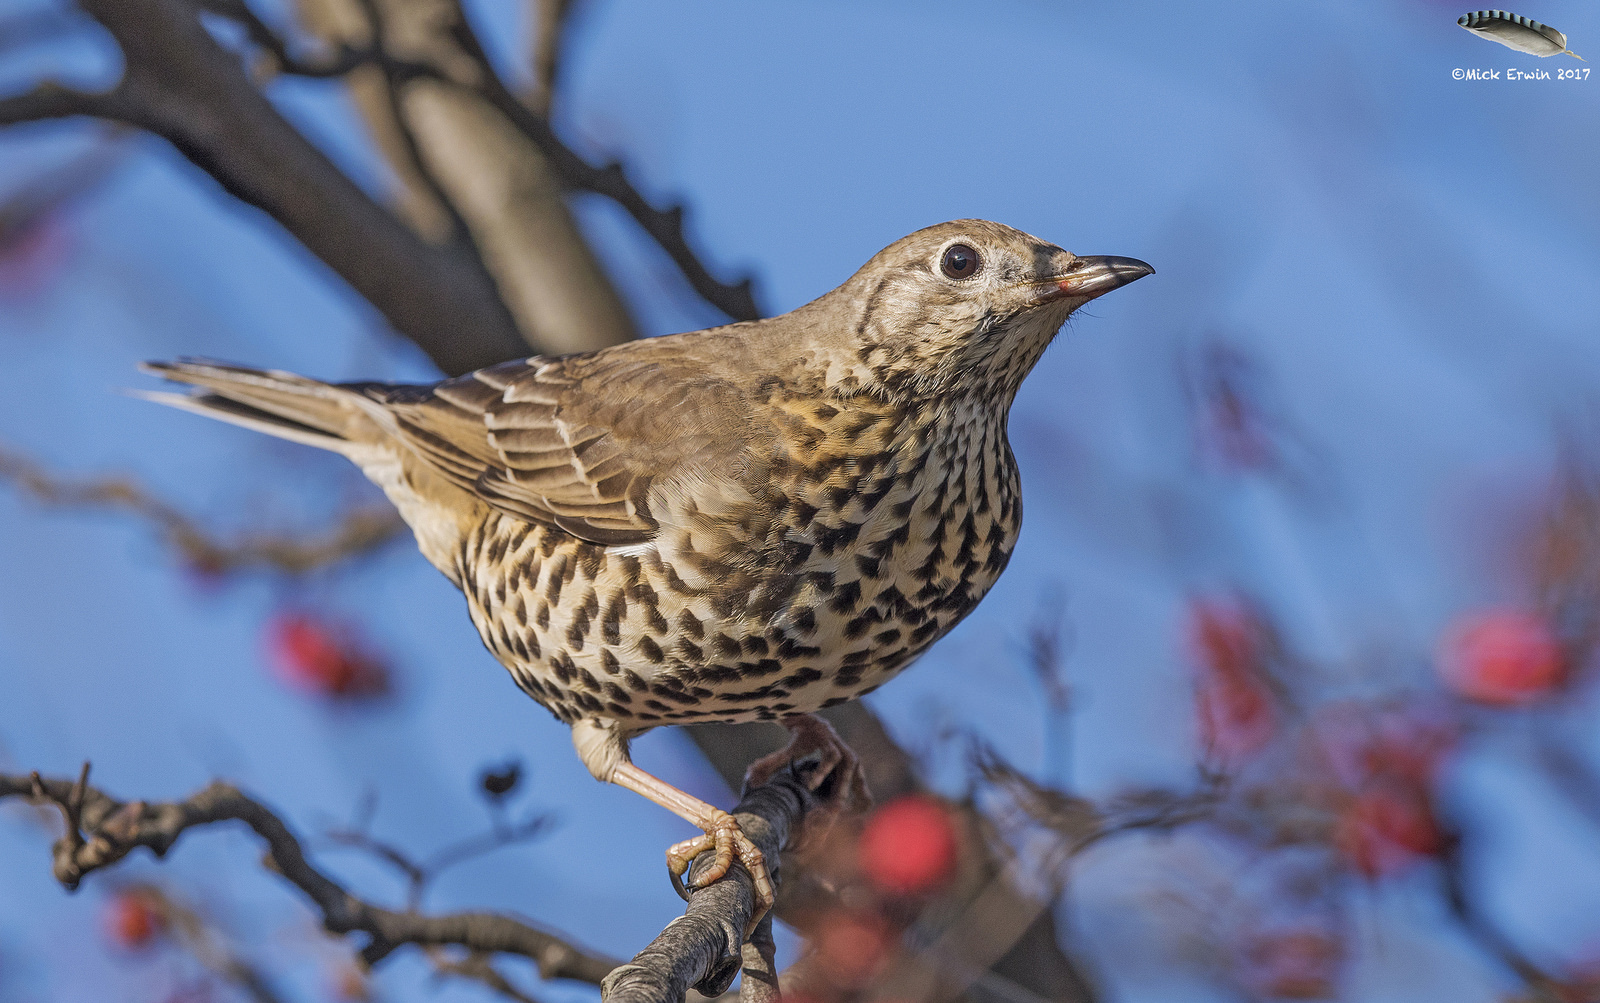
{"x":624,"y":636}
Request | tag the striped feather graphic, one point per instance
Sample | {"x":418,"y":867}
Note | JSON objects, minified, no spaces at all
{"x":1517,"y":32}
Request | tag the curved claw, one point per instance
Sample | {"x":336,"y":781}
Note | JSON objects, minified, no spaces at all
{"x":725,"y":837}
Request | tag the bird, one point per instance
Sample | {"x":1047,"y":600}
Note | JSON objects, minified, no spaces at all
{"x":749,"y":522}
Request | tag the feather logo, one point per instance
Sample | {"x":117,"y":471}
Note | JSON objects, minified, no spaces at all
{"x":1517,"y":32}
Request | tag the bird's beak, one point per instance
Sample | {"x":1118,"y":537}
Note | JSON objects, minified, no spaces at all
{"x":1094,"y":275}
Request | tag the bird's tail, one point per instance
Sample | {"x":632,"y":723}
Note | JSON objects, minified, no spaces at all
{"x":277,"y":403}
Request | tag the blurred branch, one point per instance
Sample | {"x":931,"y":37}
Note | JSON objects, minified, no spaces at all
{"x":202,"y":942}
{"x":360,"y":531}
{"x":664,"y":226}
{"x":101,"y":831}
{"x":337,"y":63}
{"x":179,"y":84}
{"x":550,"y":22}
{"x":1542,"y":986}
{"x":704,"y":948}
{"x":419,"y":873}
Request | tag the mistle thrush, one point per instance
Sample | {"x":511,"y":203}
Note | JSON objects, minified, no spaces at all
{"x":745,"y":523}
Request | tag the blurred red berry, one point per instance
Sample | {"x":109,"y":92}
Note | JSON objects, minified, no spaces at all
{"x":135,"y":918}
{"x":1388,"y":828}
{"x":31,"y":256}
{"x":851,"y":947}
{"x":1238,"y":714}
{"x":324,"y":659}
{"x":1502,"y":657}
{"x":909,"y":846}
{"x":1296,"y":964}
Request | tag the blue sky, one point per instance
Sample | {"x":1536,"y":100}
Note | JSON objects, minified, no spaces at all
{"x":1410,"y":259}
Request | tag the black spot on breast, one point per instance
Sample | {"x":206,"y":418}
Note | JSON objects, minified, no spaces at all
{"x":542,"y":616}
{"x":868,"y":566}
{"x":831,"y":540}
{"x":806,"y":620}
{"x":845,"y":597}
{"x":889,"y":636}
{"x":635,"y":681}
{"x":563,"y":667}
{"x":726,"y":646}
{"x":924,"y":632}
{"x":618,"y":694}
{"x":691,"y":625}
{"x":656,"y":622}
{"x":801,"y":677}
{"x":558,"y":573}
{"x":651,"y":650}
{"x":656,"y":705}
{"x":578,"y":631}
{"x":690,"y":651}
{"x":791,"y":650}
{"x":609,"y":662}
{"x":590,"y":559}
{"x":856,"y":657}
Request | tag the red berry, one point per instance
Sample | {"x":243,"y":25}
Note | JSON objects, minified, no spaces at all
{"x":1293,"y":964}
{"x":909,"y":846}
{"x":1237,"y":713}
{"x":1502,"y":657}
{"x":316,"y":656}
{"x":1388,"y":828}
{"x":852,"y":946}
{"x":135,"y":918}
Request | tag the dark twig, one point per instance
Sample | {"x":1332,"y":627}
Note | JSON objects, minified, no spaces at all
{"x":704,"y":948}
{"x":549,"y":30}
{"x":360,"y":531}
{"x":334,"y":64}
{"x":665,"y":226}
{"x":419,"y":873}
{"x":102,"y":830}
{"x":1541,"y":985}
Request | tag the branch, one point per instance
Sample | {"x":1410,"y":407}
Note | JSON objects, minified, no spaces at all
{"x":339,"y":62}
{"x":179,"y":84}
{"x":550,"y":20}
{"x":704,"y":948}
{"x":360,"y":531}
{"x":665,"y":226}
{"x":101,"y":831}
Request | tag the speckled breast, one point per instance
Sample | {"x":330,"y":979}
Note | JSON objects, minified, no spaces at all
{"x":869,"y":548}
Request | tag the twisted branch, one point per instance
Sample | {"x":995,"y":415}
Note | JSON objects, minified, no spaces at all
{"x":102,"y":830}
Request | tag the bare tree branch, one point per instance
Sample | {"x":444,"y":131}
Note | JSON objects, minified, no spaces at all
{"x":336,"y":63}
{"x":665,"y":226}
{"x":178,"y":83}
{"x":101,"y":831}
{"x":703,"y":948}
{"x":360,"y":531}
{"x":550,"y":21}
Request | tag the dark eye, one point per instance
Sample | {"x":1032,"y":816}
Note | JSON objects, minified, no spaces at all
{"x":960,"y":262}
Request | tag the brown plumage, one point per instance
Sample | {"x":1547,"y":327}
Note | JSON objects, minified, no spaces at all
{"x":744,"y":523}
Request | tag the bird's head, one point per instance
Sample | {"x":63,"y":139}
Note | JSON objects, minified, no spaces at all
{"x":969,"y":306}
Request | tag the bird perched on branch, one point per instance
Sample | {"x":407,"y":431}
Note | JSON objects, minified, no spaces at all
{"x":750,"y":522}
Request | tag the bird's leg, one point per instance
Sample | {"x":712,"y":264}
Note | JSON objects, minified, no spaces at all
{"x":721,"y":833}
{"x":837,"y":779}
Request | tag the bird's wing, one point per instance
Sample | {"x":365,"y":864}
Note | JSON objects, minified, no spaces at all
{"x":578,"y":442}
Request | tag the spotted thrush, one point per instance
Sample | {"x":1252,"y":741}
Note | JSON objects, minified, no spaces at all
{"x":744,"y":523}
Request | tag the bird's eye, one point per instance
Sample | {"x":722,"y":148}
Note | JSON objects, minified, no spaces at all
{"x":960,"y":262}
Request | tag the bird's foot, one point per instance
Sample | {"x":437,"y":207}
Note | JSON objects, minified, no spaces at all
{"x":722,"y":834}
{"x":829,"y":767}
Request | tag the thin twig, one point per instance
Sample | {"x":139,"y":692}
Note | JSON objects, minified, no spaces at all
{"x":665,"y":226}
{"x":360,"y":531}
{"x":339,"y":62}
{"x":549,"y":29}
